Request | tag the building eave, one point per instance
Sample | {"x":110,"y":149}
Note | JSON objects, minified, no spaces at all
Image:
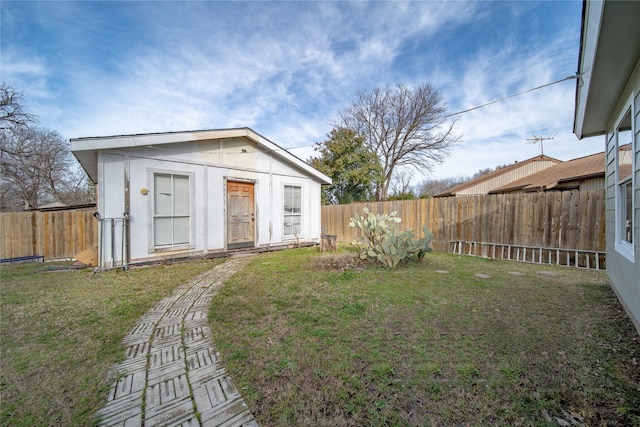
{"x":86,"y":149}
{"x":604,"y":67}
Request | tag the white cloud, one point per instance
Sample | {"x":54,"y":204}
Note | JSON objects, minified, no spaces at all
{"x":496,"y":134}
{"x":286,"y":68}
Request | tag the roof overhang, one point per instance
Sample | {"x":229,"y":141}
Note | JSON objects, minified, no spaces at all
{"x":86,"y":149}
{"x":581,"y":177}
{"x":609,"y":52}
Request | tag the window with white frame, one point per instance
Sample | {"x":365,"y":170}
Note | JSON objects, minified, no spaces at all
{"x":624,"y":183}
{"x":292,"y":210}
{"x":171,"y":210}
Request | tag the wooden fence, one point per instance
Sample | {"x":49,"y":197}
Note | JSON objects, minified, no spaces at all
{"x":561,"y":219}
{"x":558,"y":219}
{"x":54,"y":235}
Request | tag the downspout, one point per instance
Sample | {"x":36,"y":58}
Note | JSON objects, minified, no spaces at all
{"x":100,"y":208}
{"x":205,"y":208}
{"x":126,"y":233}
{"x":270,"y":199}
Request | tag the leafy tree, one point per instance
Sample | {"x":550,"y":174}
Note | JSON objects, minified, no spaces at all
{"x":405,"y":127}
{"x":355,"y":171}
{"x":405,"y":195}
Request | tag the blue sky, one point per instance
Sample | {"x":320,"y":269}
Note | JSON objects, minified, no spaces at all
{"x":286,"y":68}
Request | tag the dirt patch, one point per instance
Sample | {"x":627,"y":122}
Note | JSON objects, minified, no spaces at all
{"x":340,"y":262}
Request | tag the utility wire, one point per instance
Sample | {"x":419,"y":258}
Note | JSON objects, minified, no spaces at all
{"x":512,"y":96}
{"x":450,"y":115}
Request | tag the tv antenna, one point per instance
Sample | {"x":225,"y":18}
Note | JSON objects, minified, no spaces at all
{"x":539,"y":140}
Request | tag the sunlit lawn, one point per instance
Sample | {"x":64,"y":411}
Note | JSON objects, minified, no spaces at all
{"x":308,"y":345}
{"x":61,"y":331}
{"x":315,"y":340}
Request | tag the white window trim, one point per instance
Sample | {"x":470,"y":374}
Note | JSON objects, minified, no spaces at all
{"x":621,"y":246}
{"x":151,"y":209}
{"x":293,"y":236}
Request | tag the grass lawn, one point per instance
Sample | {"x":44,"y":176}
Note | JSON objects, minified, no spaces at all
{"x":61,"y":331}
{"x":311,"y":340}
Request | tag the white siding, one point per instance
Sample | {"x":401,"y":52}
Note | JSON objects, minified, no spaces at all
{"x":210,"y":163}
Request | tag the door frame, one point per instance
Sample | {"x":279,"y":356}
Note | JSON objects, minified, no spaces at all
{"x":227,"y":180}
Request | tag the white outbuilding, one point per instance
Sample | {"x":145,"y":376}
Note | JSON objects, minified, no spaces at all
{"x":198,"y":193}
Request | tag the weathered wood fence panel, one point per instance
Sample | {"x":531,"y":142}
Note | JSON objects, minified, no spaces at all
{"x":568,"y":219}
{"x":54,"y":235}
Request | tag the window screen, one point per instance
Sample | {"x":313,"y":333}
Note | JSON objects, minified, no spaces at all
{"x":292,"y":210}
{"x":171,"y":214}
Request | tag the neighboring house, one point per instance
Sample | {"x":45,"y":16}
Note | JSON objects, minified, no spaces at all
{"x":583,"y":173}
{"x":498,"y":178}
{"x":608,"y":103}
{"x":180,"y":194}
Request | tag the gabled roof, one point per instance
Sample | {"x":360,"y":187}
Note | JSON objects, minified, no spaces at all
{"x":609,"y":52}
{"x":572,"y":170}
{"x":491,"y":175}
{"x":85,"y":149}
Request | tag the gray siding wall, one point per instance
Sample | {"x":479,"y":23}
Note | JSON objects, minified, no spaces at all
{"x":625,"y":274}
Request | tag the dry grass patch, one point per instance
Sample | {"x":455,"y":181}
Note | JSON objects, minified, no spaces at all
{"x":339,"y":262}
{"x":310,"y":344}
{"x":62,"y":330}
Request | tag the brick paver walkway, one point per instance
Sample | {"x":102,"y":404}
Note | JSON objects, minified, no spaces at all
{"x":172,"y":371}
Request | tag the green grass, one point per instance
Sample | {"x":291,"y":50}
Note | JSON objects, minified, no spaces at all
{"x":311,"y":339}
{"x":307,"y":345}
{"x":61,"y":331}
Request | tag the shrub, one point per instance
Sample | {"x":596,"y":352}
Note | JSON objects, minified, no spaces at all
{"x":382,"y":242}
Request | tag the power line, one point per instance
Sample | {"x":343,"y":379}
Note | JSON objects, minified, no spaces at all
{"x":512,"y":96}
{"x":450,"y":115}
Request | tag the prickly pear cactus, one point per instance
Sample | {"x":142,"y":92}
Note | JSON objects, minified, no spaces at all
{"x":381,"y":242}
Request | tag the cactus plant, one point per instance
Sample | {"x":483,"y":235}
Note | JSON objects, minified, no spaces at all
{"x":380,"y":240}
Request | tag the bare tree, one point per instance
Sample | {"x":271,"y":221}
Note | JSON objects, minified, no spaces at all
{"x":12,"y":116}
{"x":432,"y":187}
{"x":405,"y":127}
{"x":37,"y":167}
{"x":11,"y":112}
{"x":401,"y":183}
